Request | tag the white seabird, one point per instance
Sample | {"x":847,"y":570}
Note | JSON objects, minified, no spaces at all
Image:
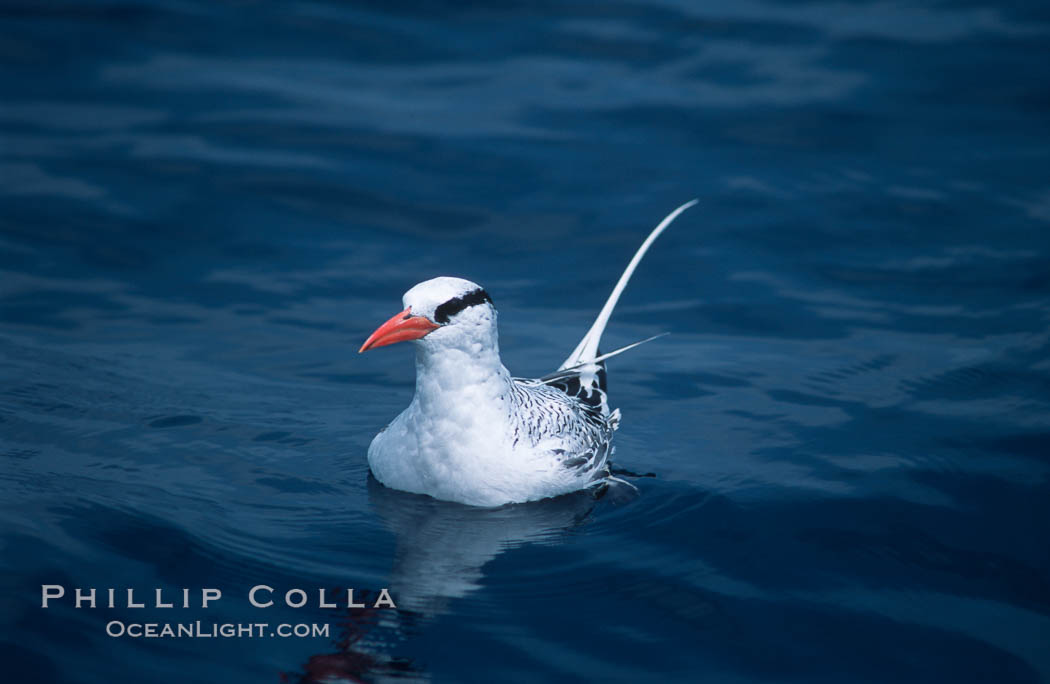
{"x":473,"y":433}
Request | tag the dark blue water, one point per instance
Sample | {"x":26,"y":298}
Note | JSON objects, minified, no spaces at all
{"x":205,"y":207}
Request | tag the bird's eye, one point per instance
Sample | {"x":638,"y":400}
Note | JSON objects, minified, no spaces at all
{"x":457,"y":304}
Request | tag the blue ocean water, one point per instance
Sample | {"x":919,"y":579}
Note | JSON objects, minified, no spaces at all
{"x":205,"y":207}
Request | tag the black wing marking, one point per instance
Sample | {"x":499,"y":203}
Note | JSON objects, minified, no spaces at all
{"x":595,"y":397}
{"x":595,"y":392}
{"x":543,"y":411}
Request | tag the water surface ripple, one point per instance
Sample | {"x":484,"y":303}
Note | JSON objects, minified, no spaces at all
{"x":205,"y":207}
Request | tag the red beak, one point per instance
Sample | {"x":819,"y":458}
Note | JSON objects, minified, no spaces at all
{"x":402,"y":327}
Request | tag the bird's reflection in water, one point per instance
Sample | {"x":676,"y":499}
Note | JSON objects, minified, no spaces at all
{"x":443,"y":547}
{"x":441,"y":552}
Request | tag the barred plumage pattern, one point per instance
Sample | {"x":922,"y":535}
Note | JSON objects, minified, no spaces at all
{"x":580,"y":421}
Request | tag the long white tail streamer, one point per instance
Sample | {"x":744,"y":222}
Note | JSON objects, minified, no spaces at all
{"x":586,"y":351}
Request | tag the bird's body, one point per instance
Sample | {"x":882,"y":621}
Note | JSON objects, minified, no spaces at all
{"x":473,"y":433}
{"x":491,"y":442}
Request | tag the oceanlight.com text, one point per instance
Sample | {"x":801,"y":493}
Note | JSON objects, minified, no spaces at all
{"x":207,"y":630}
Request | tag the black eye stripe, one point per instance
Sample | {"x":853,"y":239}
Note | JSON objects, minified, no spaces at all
{"x":457,"y":304}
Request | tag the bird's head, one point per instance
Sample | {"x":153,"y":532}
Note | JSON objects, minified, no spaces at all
{"x":441,"y":312}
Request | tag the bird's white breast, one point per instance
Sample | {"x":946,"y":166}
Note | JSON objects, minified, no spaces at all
{"x":465,"y":441}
